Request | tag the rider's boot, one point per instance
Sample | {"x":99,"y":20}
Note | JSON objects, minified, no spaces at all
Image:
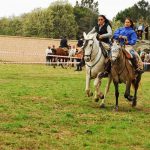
{"x":107,"y":70}
{"x":135,"y":65}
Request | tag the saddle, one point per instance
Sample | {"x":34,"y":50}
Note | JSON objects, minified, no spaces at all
{"x":128,"y":55}
{"x":65,"y":49}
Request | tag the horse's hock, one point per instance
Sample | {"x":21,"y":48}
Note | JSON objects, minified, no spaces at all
{"x":26,"y":49}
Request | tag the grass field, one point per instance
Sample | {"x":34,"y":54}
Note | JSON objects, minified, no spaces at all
{"x":45,"y":108}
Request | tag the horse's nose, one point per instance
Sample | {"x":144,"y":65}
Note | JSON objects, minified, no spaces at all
{"x":113,"y":60}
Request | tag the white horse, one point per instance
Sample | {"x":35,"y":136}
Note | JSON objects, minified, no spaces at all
{"x":94,"y":60}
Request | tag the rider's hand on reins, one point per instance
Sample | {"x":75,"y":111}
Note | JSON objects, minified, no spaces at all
{"x":100,"y":37}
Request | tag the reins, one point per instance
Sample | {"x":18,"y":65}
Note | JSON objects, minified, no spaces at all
{"x":97,"y":54}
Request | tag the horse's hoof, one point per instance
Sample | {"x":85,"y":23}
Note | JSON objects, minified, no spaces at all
{"x":133,"y":103}
{"x":102,"y":97}
{"x":130,"y":98}
{"x":91,"y":93}
{"x":102,"y":106}
{"x":116,"y":108}
{"x":96,"y":100}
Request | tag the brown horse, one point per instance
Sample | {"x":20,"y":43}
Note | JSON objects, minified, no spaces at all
{"x":60,"y":52}
{"x":123,"y":72}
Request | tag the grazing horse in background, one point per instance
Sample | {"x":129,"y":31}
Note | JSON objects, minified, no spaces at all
{"x":60,"y":52}
{"x":123,"y":72}
{"x":94,"y":61}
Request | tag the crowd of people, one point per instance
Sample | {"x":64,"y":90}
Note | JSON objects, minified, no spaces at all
{"x":145,"y":57}
{"x":75,"y":53}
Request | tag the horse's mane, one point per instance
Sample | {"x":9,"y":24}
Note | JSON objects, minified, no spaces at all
{"x":90,"y":35}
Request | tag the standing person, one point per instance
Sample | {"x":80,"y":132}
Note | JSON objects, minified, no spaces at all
{"x":140,"y":31}
{"x":80,"y":42}
{"x":127,"y":33}
{"x":146,"y":60}
{"x":72,"y":52}
{"x":53,"y":49}
{"x":146,"y":30}
{"x":48,"y":53}
{"x":79,"y":55}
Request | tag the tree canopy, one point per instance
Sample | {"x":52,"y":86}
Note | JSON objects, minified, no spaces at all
{"x":62,"y":19}
{"x":59,"y":19}
{"x":139,"y":11}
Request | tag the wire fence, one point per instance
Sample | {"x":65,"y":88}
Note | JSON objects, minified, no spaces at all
{"x":22,"y":57}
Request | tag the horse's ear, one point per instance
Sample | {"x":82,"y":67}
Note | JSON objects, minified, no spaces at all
{"x":84,"y":35}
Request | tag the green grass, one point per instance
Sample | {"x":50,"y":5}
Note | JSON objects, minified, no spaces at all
{"x":45,"y":108}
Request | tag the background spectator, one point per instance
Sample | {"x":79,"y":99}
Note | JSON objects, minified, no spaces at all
{"x":140,"y":30}
{"x":72,"y":52}
{"x":48,"y":53}
{"x":146,"y":30}
{"x":146,"y":60}
{"x":142,"y":55}
{"x":79,"y":55}
{"x":80,"y":42}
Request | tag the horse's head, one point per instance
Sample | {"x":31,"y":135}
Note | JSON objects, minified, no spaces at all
{"x":89,"y":45}
{"x":115,"y":52}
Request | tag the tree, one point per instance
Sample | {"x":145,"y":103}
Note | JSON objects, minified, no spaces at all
{"x":38,"y":23}
{"x":86,"y":14}
{"x":91,"y":4}
{"x":63,"y":20}
{"x":141,"y":10}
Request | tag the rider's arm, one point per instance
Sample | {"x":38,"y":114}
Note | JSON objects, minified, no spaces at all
{"x":117,"y":34}
{"x":108,"y":34}
{"x":133,"y":38}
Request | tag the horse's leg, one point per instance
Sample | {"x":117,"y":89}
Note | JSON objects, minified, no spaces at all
{"x":127,"y":92}
{"x":136,"y":86}
{"x":106,"y":91}
{"x":97,"y":83}
{"x":87,"y":89}
{"x":116,"y":94}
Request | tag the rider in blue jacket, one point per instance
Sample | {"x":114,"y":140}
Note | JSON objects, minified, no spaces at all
{"x":128,"y":32}
{"x":128,"y":35}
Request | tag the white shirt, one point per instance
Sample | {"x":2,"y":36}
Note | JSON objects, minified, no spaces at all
{"x":48,"y":51}
{"x":72,"y":52}
{"x":140,"y":27}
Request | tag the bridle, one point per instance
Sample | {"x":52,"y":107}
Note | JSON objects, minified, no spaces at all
{"x":85,"y":45}
{"x":117,"y":57}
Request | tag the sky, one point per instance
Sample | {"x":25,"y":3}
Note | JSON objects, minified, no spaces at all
{"x":17,"y":7}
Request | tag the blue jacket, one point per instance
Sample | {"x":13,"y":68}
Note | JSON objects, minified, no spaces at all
{"x":126,"y":31}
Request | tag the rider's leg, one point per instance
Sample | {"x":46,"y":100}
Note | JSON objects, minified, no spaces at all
{"x":134,"y":61}
{"x":107,"y":69}
{"x":107,"y":53}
